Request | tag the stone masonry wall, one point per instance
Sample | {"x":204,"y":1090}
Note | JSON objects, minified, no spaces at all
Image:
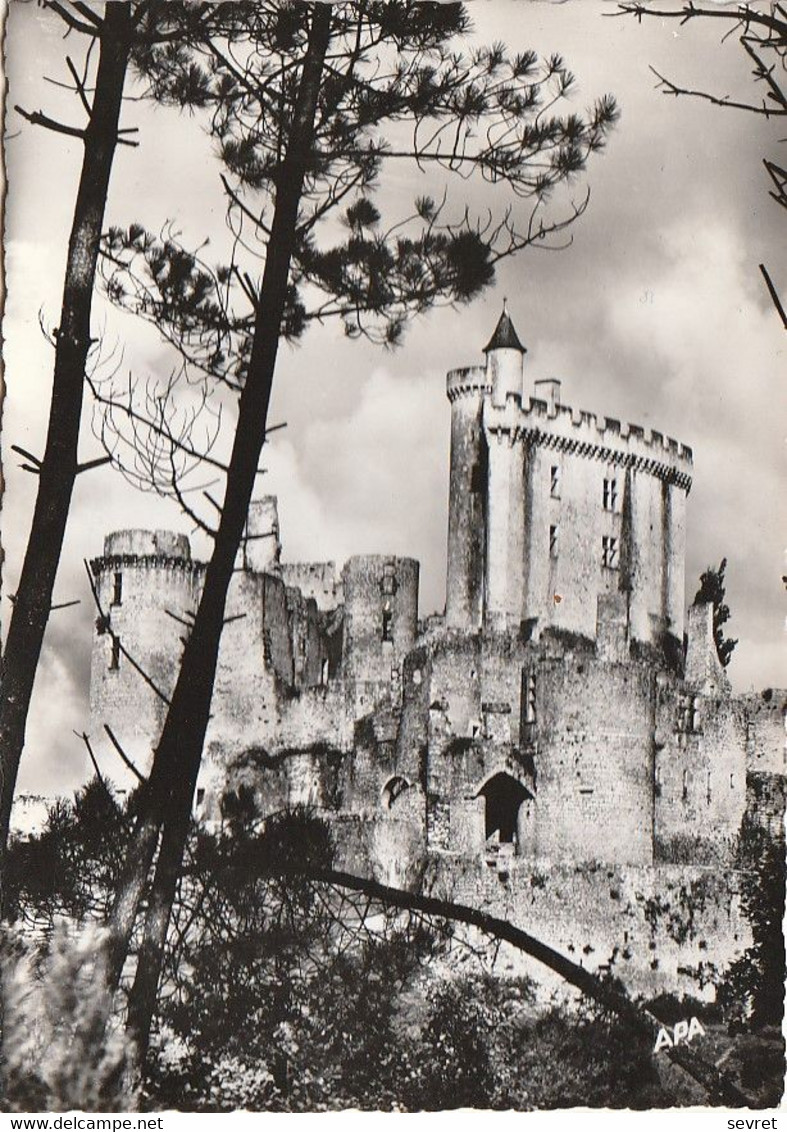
{"x":594,"y":760}
{"x":665,"y":928}
{"x":700,"y":782}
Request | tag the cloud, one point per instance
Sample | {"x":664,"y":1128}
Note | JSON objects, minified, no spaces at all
{"x":372,"y":481}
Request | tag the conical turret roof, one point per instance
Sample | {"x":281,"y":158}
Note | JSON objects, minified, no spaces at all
{"x":505,"y":337}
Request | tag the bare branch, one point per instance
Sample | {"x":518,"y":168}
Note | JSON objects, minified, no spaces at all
{"x":38,"y":118}
{"x":114,"y":741}
{"x":774,"y":295}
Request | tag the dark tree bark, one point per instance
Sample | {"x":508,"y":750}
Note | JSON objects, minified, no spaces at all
{"x":59,"y":466}
{"x":179,"y":751}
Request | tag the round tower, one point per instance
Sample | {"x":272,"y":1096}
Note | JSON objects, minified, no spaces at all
{"x":147,"y":588}
{"x":505,"y":356}
{"x":470,"y":491}
{"x":466,"y":389}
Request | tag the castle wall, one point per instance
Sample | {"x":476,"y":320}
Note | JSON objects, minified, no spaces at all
{"x":575,"y":509}
{"x":567,"y":523}
{"x":314,"y":579}
{"x":240,"y":709}
{"x":700,"y":780}
{"x":594,"y":761}
{"x":380,"y":625}
{"x":262,"y":546}
{"x":766,"y":740}
{"x":504,"y":532}
{"x":658,"y":929}
{"x":645,"y":573}
{"x":675,"y":553}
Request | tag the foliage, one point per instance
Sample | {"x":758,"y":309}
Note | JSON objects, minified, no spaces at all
{"x":59,"y":1053}
{"x":712,"y":591}
{"x":71,"y":867}
{"x":753,"y":988}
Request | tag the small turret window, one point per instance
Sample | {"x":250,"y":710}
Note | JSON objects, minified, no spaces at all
{"x":554,"y":481}
{"x":387,"y":625}
{"x":528,"y":697}
{"x":610,"y":495}
{"x":553,"y":542}
{"x":609,"y":552}
{"x":117,"y":588}
{"x":388,"y":581}
{"x":114,"y":661}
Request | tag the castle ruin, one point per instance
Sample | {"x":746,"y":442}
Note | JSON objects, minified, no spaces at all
{"x":551,"y":748}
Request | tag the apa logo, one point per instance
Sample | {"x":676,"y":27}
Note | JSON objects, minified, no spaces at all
{"x":683,"y":1032}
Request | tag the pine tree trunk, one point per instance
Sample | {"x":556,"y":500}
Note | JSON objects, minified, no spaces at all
{"x":178,"y":755}
{"x":58,"y":469}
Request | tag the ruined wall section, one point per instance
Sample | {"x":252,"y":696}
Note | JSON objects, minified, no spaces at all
{"x":700,"y":774}
{"x":766,"y":739}
{"x":242,"y":708}
{"x":314,"y":580}
{"x":380,"y":627}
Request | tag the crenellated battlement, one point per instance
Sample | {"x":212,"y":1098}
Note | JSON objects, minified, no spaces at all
{"x":145,"y":561}
{"x":466,"y":381}
{"x":146,"y":544}
{"x":577,"y":431}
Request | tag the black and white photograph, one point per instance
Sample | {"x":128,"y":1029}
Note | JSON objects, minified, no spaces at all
{"x":393,"y":675}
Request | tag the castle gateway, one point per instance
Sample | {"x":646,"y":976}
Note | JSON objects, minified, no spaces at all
{"x":550,"y":748}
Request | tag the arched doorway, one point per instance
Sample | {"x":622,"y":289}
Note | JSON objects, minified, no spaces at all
{"x":394,"y":789}
{"x":503,"y":796}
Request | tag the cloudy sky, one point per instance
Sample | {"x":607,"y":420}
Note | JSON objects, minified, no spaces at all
{"x":656,"y":315}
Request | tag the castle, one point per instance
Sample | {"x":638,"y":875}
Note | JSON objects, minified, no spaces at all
{"x":551,"y":748}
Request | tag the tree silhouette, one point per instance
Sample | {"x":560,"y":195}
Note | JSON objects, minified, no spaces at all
{"x":58,"y":468}
{"x":98,"y":84}
{"x":712,"y":591}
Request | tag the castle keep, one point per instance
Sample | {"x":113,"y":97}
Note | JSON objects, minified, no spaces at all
{"x":549,"y":748}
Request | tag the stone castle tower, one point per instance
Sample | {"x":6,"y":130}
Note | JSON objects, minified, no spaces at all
{"x":549,"y":724}
{"x":551,"y":509}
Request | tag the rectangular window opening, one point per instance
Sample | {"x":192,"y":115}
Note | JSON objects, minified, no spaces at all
{"x":117,"y":588}
{"x":554,"y":481}
{"x":529,"y":696}
{"x":553,"y":542}
{"x":114,"y":662}
{"x":387,"y":625}
{"x":609,"y":552}
{"x":610,"y":495}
